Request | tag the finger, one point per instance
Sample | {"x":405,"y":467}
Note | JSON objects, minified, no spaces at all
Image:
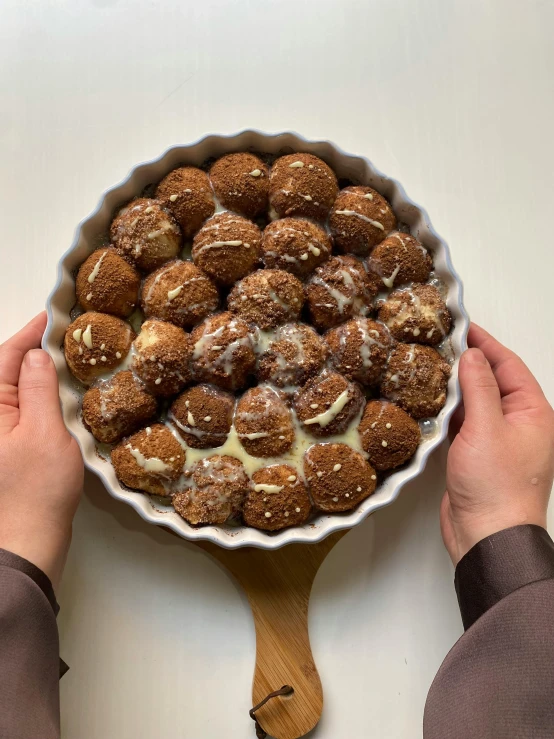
{"x":482,"y":403}
{"x":514,"y":378}
{"x":14,"y":349}
{"x":39,"y":403}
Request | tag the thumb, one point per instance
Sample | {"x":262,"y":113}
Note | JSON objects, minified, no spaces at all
{"x":480,"y":393}
{"x":39,"y":402}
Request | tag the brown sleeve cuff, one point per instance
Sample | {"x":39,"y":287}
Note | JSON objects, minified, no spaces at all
{"x":500,"y":564}
{"x":9,"y":559}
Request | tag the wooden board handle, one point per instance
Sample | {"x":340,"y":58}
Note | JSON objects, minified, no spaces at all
{"x":278,"y":586}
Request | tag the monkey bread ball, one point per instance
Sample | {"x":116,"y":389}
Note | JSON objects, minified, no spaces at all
{"x":389,"y":436}
{"x":214,"y":491}
{"x":359,"y":349}
{"x":107,"y":283}
{"x":415,"y":379}
{"x":115,"y":408}
{"x":296,"y":245}
{"x":223,"y":351}
{"x":327,"y":404}
{"x":161,"y":357}
{"x":264,"y":422}
{"x":278,"y":498}
{"x":302,"y":185}
{"x":417,"y":314}
{"x":360,"y":219}
{"x":338,"y":290}
{"x":241,"y":183}
{"x":227,"y":247}
{"x":151,"y":460}
{"x":267,"y":298}
{"x":399,"y":259}
{"x":338,"y":477}
{"x":180,"y":293}
{"x":186,"y":192}
{"x":295,"y":353}
{"x":145,"y":233}
{"x":95,"y":344}
{"x":203,"y":415}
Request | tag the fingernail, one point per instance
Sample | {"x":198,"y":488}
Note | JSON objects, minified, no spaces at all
{"x":475,"y":356}
{"x":37,"y":358}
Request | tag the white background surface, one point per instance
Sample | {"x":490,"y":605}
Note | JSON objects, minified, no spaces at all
{"x":452,"y":98}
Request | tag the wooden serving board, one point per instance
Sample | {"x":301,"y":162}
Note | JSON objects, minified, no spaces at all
{"x":278,"y":586}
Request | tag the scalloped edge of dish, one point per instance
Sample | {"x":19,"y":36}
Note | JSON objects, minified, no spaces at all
{"x":62,"y":299}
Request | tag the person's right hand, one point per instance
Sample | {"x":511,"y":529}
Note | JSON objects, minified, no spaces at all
{"x":501,"y":463}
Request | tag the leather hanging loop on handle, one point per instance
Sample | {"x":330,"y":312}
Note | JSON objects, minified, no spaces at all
{"x":285,"y":690}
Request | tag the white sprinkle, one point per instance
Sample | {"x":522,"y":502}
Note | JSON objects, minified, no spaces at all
{"x":102,"y":347}
{"x":89,"y":296}
{"x":308,"y":198}
{"x":291,"y":478}
{"x":304,"y":256}
{"x":286,"y":514}
{"x":310,"y":166}
{"x":314,"y":405}
{"x":103,"y":359}
{"x":244,"y":297}
{"x":416,"y":332}
{"x":384,"y":443}
{"x":388,"y":425}
{"x":374,"y":424}
{"x":319,"y":474}
{"x":315,"y":251}
{"x":359,"y":489}
{"x":190,"y":419}
{"x":281,"y":437}
{"x":296,"y":165}
{"x":93,"y":361}
{"x":77,"y":334}
{"x":173,"y":293}
{"x":337,"y":467}
{"x":87,"y":337}
{"x":368,"y":196}
{"x":255,"y":173}
{"x":207,"y":419}
{"x":118,"y":355}
{"x":172,"y":459}
{"x":267,"y":514}
{"x":148,"y":431}
{"x":174,"y":197}
{"x":80,"y":350}
{"x":216,"y":348}
{"x":335,"y":499}
{"x":149,"y":209}
{"x":158,"y":381}
{"x":347,"y":495}
{"x":297,"y":510}
{"x":373,"y":477}
{"x":187,"y":402}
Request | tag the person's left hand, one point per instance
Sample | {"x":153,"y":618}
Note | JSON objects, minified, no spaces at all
{"x":41,"y":469}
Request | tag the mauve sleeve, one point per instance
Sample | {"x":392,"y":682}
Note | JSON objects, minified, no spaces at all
{"x":498,"y":680}
{"x":30,"y":667}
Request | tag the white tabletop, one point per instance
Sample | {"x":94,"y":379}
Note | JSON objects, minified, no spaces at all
{"x":452,"y":98}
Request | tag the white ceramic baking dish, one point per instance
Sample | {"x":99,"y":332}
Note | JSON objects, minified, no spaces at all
{"x":88,"y":236}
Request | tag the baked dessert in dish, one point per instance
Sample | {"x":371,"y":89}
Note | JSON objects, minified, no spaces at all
{"x":256,"y":343}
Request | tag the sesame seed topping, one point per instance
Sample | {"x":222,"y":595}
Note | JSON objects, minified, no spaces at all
{"x":337,"y":467}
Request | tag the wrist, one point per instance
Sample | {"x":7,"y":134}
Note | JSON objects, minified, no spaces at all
{"x":46,"y":549}
{"x":474,"y":529}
